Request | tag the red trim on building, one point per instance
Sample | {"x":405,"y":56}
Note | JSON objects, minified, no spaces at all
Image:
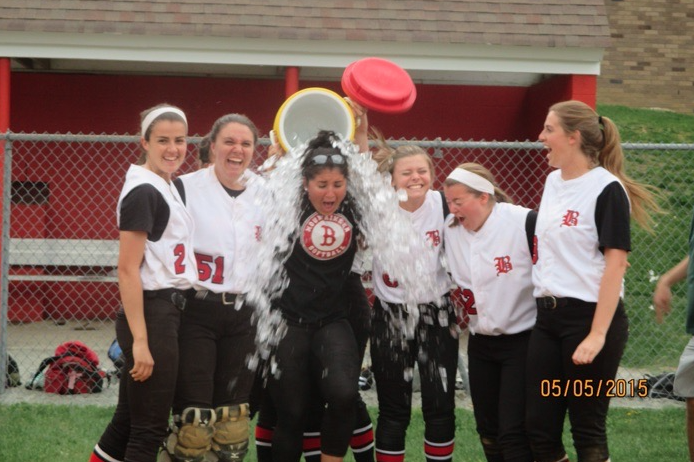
{"x":291,"y":81}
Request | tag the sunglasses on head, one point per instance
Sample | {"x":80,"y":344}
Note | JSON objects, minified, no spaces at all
{"x":322,"y":159}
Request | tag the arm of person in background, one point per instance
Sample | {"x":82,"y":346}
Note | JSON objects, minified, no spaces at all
{"x":662,"y":296}
{"x":274,"y":153}
{"x":608,"y":299}
{"x":131,"y":253}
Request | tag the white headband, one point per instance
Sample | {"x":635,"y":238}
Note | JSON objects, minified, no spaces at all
{"x":149,"y":118}
{"x":472,"y":180}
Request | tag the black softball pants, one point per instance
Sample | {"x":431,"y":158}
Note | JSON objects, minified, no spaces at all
{"x":435,"y":349}
{"x":215,"y":341}
{"x":553,"y":341}
{"x":497,"y":383}
{"x":139,"y":423}
{"x":327,"y":355}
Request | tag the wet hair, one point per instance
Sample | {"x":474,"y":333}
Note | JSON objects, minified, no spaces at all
{"x":204,"y":151}
{"x":323,"y":144}
{"x":499,"y":194}
{"x":386,"y":157}
{"x":601,"y":143}
{"x":170,"y":116}
{"x":233,"y":118}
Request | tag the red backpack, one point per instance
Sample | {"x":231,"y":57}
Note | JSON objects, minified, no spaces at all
{"x":74,"y":369}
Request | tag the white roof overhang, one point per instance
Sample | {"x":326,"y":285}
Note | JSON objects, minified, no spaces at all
{"x":430,"y":63}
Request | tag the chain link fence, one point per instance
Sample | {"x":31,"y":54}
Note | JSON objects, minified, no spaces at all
{"x":60,"y":243}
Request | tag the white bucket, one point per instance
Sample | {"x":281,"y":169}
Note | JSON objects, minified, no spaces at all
{"x":308,"y":111}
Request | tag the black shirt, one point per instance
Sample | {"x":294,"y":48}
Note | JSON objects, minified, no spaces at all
{"x":318,"y":266}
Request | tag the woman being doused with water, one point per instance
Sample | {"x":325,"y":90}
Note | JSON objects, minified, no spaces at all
{"x":359,"y":317}
{"x":319,"y":344}
{"x":434,"y":342}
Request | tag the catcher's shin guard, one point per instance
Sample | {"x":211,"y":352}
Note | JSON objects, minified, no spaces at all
{"x":191,"y":438}
{"x":231,"y":433}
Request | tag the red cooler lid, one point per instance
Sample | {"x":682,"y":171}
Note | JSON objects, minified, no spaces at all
{"x":380,"y":85}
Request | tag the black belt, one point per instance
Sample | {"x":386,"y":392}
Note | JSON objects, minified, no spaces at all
{"x":176,"y":296}
{"x":225,"y":298}
{"x":551,"y":302}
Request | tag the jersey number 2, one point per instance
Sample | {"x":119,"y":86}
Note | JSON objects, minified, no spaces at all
{"x":180,"y":254}
{"x":469,"y":302}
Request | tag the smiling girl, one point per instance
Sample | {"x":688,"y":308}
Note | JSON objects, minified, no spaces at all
{"x":155,"y":268}
{"x":217,"y":333}
{"x":435,"y":343}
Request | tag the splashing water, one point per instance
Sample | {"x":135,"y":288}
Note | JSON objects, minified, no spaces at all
{"x":279,"y":201}
{"x":389,"y":234}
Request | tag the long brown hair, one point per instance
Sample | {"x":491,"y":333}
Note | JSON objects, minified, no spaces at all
{"x":600,"y":141}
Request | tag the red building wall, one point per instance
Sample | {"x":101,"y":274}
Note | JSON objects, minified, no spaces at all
{"x":84,"y":182}
{"x":82,"y":103}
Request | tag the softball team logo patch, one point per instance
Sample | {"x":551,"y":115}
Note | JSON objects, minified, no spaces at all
{"x":326,"y":237}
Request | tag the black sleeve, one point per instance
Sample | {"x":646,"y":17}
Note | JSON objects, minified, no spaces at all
{"x":144,"y":209}
{"x":446,"y":211}
{"x":181,"y":189}
{"x":612,"y":218}
{"x":530,"y":222}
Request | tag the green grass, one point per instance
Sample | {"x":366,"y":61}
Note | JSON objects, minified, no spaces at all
{"x":50,"y":433}
{"x":650,"y":126}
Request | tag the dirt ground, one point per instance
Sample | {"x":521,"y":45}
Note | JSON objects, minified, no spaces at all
{"x":29,"y":343}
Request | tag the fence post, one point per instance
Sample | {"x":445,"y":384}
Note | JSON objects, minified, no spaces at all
{"x":6,"y":191}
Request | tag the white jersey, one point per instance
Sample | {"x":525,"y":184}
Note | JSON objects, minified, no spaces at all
{"x":427,"y":220}
{"x":227,"y":231}
{"x":569,"y":261}
{"x":493,"y":269}
{"x":168,"y":262}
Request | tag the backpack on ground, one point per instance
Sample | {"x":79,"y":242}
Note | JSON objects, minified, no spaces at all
{"x":115,"y":354}
{"x":12,"y":376}
{"x":74,"y":369}
{"x":661,"y":386}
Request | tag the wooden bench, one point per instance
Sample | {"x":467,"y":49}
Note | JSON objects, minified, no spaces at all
{"x":41,"y":253}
